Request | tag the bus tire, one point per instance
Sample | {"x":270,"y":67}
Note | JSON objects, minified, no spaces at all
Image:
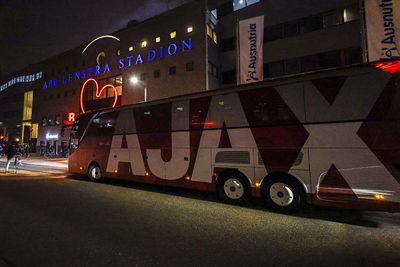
{"x":233,"y":188}
{"x":283,"y":194}
{"x":94,"y":172}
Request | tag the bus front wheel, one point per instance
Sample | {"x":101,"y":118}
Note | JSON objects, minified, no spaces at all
{"x":94,"y":172}
{"x":233,"y":188}
{"x":283,"y":194}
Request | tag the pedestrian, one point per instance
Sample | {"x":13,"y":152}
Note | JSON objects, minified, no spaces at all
{"x":10,"y":153}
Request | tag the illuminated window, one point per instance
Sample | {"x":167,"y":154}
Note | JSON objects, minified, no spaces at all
{"x":209,"y":31}
{"x":189,"y":29}
{"x":158,"y":39}
{"x":28,"y":101}
{"x":118,"y":52}
{"x":144,"y":44}
{"x":172,"y":35}
{"x":131,"y":48}
{"x":157,"y":74}
{"x":34,"y":132}
{"x":118,"y":84}
{"x":215,"y":37}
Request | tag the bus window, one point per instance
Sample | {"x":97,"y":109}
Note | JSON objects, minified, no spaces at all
{"x":264,"y":107}
{"x":103,"y":124}
{"x":153,"y":119}
{"x":198,"y":112}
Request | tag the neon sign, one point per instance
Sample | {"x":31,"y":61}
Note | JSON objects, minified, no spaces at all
{"x":129,"y":61}
{"x":51,"y":136}
{"x":98,"y":93}
{"x":21,"y":79}
{"x":71,"y":118}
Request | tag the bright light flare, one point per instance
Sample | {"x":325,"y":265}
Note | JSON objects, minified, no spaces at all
{"x":134,"y":80}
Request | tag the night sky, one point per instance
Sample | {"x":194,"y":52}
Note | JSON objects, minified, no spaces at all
{"x":31,"y":31}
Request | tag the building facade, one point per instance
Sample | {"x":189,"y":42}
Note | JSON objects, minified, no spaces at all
{"x":189,"y":49}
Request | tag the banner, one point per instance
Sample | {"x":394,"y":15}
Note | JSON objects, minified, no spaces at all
{"x":383,"y":29}
{"x":250,"y":50}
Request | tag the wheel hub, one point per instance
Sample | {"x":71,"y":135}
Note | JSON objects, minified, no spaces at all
{"x":281,"y":194}
{"x":233,"y":188}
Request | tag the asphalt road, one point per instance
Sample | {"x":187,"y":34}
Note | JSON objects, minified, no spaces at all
{"x":73,"y":222}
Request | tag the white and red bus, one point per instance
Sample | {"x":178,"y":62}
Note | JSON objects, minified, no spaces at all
{"x":325,"y":138}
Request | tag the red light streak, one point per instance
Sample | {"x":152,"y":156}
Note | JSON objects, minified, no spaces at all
{"x":98,"y":93}
{"x":389,"y":66}
{"x":206,"y":123}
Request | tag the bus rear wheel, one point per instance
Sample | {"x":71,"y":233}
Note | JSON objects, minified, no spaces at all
{"x":94,"y":173}
{"x":233,"y":188}
{"x":283,"y":194}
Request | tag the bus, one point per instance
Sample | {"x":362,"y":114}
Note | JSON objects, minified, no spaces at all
{"x":328,"y":138}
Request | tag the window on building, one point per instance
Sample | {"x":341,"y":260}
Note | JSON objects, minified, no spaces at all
{"x":172,"y":70}
{"x":117,"y":82}
{"x":214,"y":12}
{"x":309,"y":63}
{"x":351,"y":13}
{"x":51,"y":96}
{"x":73,"y":92}
{"x":209,"y":31}
{"x":292,"y":66}
{"x":28,"y":103}
{"x":118,"y":52}
{"x":65,"y":93}
{"x":333,"y":18}
{"x":310,"y":24}
{"x":330,"y":59}
{"x":172,"y":35}
{"x":131,"y":48}
{"x":143,"y":76}
{"x":353,"y":55}
{"x":212,"y":69}
{"x":189,"y":29}
{"x":238,"y":4}
{"x":215,"y":37}
{"x":276,"y":68}
{"x":158,"y":39}
{"x":143,"y":44}
{"x":190,"y":66}
{"x":156,"y":74}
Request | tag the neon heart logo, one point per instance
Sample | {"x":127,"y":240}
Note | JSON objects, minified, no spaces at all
{"x":98,"y":93}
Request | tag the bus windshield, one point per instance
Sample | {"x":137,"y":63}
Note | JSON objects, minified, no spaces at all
{"x":77,"y":131}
